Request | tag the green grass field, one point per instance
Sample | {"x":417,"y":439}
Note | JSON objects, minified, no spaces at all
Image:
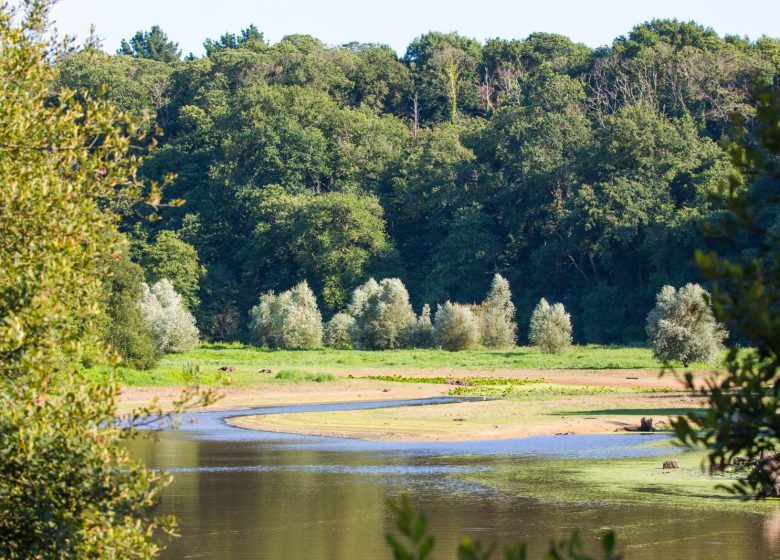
{"x":248,"y":360}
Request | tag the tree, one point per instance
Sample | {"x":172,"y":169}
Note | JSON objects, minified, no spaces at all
{"x":250,"y":38}
{"x":498,"y":320}
{"x":337,"y":331}
{"x":682,"y":327}
{"x":742,"y":414}
{"x":171,"y":258}
{"x":290,"y":320}
{"x":153,"y":44}
{"x":69,"y":487}
{"x":455,"y":327}
{"x":383,"y":315}
{"x":550,"y":327}
{"x":350,"y":238}
{"x":173,"y":327}
{"x":126,"y":330}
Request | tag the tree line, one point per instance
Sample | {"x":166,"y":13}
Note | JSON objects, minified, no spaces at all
{"x":581,"y":175}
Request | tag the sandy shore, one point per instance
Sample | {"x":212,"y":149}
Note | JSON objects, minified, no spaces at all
{"x":494,"y":419}
{"x":559,"y":402}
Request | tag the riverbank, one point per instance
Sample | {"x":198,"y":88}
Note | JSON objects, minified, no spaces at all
{"x":562,"y":398}
{"x":542,"y":410}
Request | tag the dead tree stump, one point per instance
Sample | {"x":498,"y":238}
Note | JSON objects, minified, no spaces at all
{"x":646,"y":425}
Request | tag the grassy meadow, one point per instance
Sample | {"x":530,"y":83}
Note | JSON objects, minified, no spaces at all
{"x":204,"y":362}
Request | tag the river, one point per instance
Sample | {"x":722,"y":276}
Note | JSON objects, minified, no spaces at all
{"x":241,"y":494}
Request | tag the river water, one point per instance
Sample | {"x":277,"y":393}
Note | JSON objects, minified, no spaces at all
{"x":241,"y":494}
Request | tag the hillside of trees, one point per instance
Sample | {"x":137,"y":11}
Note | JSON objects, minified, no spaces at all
{"x":580,"y":175}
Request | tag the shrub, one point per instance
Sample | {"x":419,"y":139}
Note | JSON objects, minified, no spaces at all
{"x":682,"y":327}
{"x":383,"y":315}
{"x":455,"y":327}
{"x":337,"y":331}
{"x":421,"y":334}
{"x":498,"y":320}
{"x":173,"y":327}
{"x":290,"y":320}
{"x":550,"y":328}
{"x":126,"y":329}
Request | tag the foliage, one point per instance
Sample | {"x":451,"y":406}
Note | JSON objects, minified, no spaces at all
{"x":298,"y":375}
{"x":290,"y":320}
{"x":682,"y":327}
{"x":350,"y":237}
{"x":126,"y":329}
{"x":577,"y":174}
{"x":68,"y":488}
{"x":152,"y":44}
{"x":172,"y":325}
{"x":169,"y":257}
{"x":550,"y":328}
{"x":455,"y":327}
{"x":418,"y":544}
{"x":337,"y":331}
{"x":421,"y":335}
{"x":383,"y":315}
{"x":742,"y":417}
{"x":498,"y":319}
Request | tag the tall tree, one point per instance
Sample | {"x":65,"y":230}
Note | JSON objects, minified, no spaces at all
{"x":153,"y":44}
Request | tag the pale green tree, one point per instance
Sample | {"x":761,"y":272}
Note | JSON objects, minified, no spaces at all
{"x":290,"y":320}
{"x":681,"y":327}
{"x":337,"y":331}
{"x":383,"y":315}
{"x":173,"y":326}
{"x":499,"y":329}
{"x":455,"y":327}
{"x":550,"y":328}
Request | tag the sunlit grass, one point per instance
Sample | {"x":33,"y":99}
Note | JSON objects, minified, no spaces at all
{"x":249,"y":361}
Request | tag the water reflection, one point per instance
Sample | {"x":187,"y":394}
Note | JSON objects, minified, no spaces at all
{"x":242,"y":494}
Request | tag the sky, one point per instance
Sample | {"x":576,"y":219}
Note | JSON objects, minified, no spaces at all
{"x":396,"y":23}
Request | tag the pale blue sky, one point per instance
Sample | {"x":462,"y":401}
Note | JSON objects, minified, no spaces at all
{"x":397,"y":22}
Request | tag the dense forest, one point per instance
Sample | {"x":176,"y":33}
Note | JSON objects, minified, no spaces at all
{"x":581,"y":175}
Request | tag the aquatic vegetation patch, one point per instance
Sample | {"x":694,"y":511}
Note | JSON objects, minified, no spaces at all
{"x":300,"y":375}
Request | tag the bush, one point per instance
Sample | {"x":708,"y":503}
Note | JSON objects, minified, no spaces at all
{"x":383,"y":315}
{"x":455,"y":327}
{"x":337,"y":331}
{"x":421,"y":334}
{"x":172,"y":326}
{"x":498,"y":319}
{"x":550,"y":328}
{"x":290,"y":320}
{"x":682,"y":327}
{"x":126,"y":329}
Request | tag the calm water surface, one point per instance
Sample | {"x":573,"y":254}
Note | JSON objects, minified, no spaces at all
{"x":244,"y":494}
